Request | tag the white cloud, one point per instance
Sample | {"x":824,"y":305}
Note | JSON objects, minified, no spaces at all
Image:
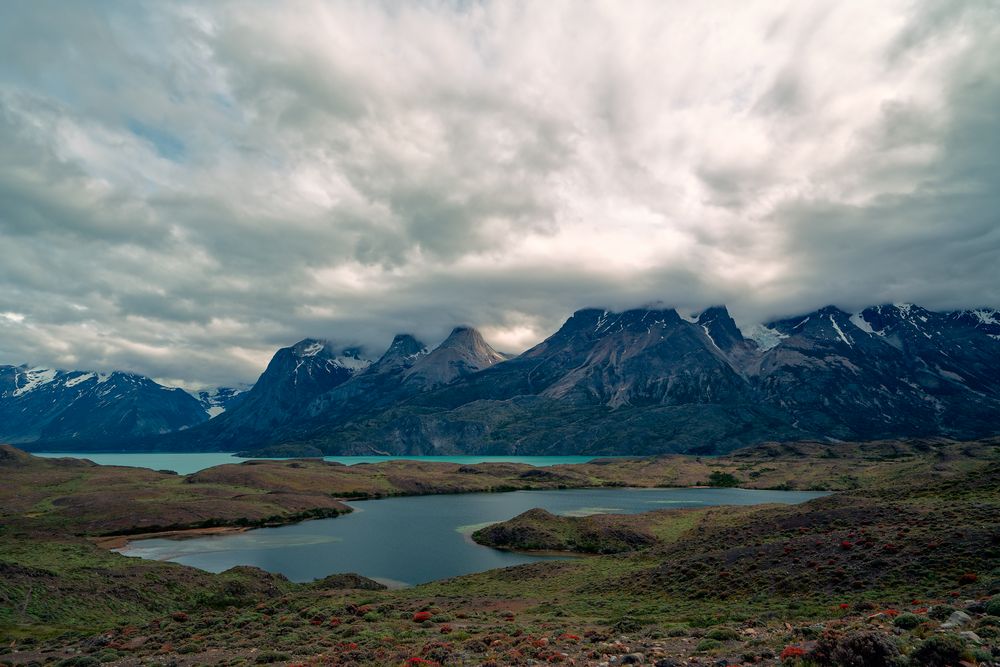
{"x":185,"y":187}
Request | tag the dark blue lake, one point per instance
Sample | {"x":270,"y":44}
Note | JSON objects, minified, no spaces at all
{"x":412,"y":540}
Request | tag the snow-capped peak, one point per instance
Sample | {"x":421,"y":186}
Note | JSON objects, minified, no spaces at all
{"x":985,"y":316}
{"x":903,"y":308}
{"x":312,"y":349}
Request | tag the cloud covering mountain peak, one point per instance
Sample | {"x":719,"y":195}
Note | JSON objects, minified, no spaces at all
{"x":184,"y":187}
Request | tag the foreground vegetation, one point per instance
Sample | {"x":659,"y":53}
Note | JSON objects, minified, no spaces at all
{"x":902,"y":565}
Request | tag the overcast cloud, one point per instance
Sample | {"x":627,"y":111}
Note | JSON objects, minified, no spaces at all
{"x":186,"y":187}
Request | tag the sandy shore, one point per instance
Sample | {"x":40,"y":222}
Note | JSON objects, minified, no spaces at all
{"x":122,"y":541}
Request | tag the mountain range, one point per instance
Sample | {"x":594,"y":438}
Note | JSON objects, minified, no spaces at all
{"x":61,"y":408}
{"x":642,"y":381}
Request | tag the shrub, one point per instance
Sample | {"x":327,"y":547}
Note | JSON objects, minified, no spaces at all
{"x":993,"y":606}
{"x":941,"y":612}
{"x":791,"y":653}
{"x":421,"y":616}
{"x":909,"y":621}
{"x":722,"y":634}
{"x":865,"y":649}
{"x":724,"y":479}
{"x":79,"y":661}
{"x":940,"y":651}
{"x":707,"y":645}
{"x":268,"y":657}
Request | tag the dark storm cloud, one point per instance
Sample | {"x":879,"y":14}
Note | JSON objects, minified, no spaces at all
{"x":185,"y":187}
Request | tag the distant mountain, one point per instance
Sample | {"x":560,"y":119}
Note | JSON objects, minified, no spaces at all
{"x":218,"y":400}
{"x":647,"y":380}
{"x":462,"y":353}
{"x":313,"y":383}
{"x":642,"y":381}
{"x":295,"y":376}
{"x":66,"y":407}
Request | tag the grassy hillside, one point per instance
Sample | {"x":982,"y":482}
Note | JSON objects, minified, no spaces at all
{"x":880,"y":566}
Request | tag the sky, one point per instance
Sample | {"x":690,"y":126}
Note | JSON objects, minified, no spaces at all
{"x":185,"y":187}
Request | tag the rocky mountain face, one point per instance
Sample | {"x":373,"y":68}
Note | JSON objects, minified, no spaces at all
{"x":304,"y":388}
{"x":295,"y":376}
{"x":67,"y":407}
{"x":462,"y":353}
{"x":642,"y":381}
{"x":648,"y":380}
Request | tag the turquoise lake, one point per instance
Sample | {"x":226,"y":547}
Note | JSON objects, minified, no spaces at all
{"x":184,"y":464}
{"x":412,"y":540}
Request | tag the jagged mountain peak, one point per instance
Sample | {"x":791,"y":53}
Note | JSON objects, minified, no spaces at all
{"x":312,"y":347}
{"x":462,"y":336}
{"x":405,"y":344}
{"x":720,"y":327}
{"x":469,"y":341}
{"x":404,"y":350}
{"x":986,"y":320}
{"x":463,"y":352}
{"x":311,"y":352}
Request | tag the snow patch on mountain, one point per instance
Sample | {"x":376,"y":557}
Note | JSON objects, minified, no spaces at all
{"x":836,"y":327}
{"x":311,"y":350}
{"x":985,"y":316}
{"x":33,"y":379}
{"x":765,"y":337}
{"x":858,"y":320}
{"x":79,"y":379}
{"x":716,"y":345}
{"x":351,"y":362}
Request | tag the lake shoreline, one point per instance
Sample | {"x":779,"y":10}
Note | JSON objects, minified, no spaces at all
{"x":119,"y":542}
{"x":430,"y":523}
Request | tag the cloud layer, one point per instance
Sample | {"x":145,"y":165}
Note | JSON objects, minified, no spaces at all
{"x":185,"y":187}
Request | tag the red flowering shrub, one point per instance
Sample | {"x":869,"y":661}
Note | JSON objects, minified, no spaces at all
{"x":179,"y":616}
{"x":968,"y":578}
{"x":846,"y":546}
{"x":421,"y":616}
{"x":791,"y":652}
{"x":334,"y":622}
{"x":445,"y":629}
{"x":844,"y":605}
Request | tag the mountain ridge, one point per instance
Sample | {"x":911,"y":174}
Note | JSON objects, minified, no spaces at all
{"x":643,"y":380}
